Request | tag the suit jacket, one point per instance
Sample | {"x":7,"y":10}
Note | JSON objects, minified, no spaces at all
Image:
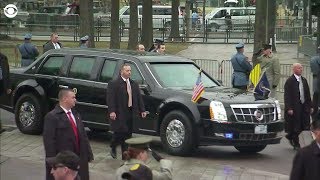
{"x":300,"y":120}
{"x":49,"y":45}
{"x":58,"y":136}
{"x":117,"y":101}
{"x":306,"y":163}
{"x":5,"y":74}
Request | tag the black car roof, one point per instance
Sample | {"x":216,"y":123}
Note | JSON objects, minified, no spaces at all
{"x":122,"y":54}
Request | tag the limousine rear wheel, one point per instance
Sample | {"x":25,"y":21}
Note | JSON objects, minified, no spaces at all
{"x":28,"y":114}
{"x":250,"y":149}
{"x":176,"y":133}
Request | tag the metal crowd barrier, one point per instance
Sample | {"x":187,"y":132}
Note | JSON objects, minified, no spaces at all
{"x":223,"y":72}
{"x":307,"y":46}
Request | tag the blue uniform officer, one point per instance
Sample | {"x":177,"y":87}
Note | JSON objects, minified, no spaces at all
{"x":241,"y":68}
{"x":28,"y":51}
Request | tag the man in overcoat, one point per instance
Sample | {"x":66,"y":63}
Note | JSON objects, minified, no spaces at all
{"x":4,"y":79}
{"x":125,"y":103}
{"x":306,"y":163}
{"x":64,"y":130}
{"x":53,"y":43}
{"x":297,"y":102}
{"x":270,"y":64}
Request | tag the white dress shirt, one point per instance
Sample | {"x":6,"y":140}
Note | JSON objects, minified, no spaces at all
{"x":66,"y":111}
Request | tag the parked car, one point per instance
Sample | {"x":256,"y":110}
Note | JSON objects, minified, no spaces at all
{"x":222,"y":116}
{"x":241,"y":18}
{"x":161,"y":16}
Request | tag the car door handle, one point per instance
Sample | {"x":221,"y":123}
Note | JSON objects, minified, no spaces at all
{"x":64,"y":87}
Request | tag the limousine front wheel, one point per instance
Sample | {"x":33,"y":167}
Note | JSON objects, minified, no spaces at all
{"x":176,"y":133}
{"x":28,"y":114}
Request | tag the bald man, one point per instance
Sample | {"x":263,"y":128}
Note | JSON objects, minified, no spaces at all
{"x":297,"y":105}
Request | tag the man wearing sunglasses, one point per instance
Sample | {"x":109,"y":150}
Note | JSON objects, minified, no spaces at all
{"x":65,"y":165}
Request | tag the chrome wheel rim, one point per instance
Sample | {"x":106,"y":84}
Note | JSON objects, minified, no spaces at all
{"x":27,"y":114}
{"x":175,"y":133}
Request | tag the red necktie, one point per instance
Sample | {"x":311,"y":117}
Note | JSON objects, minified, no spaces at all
{"x":74,"y":128}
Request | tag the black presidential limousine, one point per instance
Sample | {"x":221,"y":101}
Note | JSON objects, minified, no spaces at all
{"x":222,"y":116}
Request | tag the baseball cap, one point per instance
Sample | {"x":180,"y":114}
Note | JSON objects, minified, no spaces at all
{"x":84,"y":38}
{"x":66,"y":158}
{"x":138,"y":172}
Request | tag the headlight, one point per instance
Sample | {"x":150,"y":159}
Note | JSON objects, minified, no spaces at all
{"x":278,"y":109}
{"x":218,"y":112}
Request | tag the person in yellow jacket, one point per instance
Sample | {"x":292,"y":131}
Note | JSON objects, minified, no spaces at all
{"x":270,"y":64}
{"x":137,"y":153}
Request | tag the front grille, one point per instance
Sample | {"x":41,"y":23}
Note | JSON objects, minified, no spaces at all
{"x":256,"y":137}
{"x":246,"y":113}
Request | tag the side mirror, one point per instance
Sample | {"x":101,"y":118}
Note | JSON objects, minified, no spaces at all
{"x":145,"y":88}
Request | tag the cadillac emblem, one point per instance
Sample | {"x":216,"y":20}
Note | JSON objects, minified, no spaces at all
{"x":258,"y":115}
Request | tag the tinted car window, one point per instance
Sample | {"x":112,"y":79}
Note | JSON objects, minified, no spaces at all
{"x":81,"y":67}
{"x":107,"y":71}
{"x":52,"y":66}
{"x":180,"y":75}
{"x":135,"y":74}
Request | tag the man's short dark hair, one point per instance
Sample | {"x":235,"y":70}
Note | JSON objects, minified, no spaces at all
{"x":63,"y":93}
{"x":123,"y":65}
{"x":65,"y":158}
{"x":315,"y":125}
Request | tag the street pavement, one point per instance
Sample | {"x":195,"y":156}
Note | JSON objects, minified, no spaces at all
{"x":22,"y":156}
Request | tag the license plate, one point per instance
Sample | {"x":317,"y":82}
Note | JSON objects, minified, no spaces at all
{"x":261,"y":129}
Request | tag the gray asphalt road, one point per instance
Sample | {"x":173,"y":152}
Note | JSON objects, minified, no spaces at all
{"x":275,"y":158}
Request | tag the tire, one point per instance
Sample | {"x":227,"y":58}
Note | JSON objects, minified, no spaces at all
{"x":29,"y":114}
{"x":250,"y":149}
{"x":177,"y":123}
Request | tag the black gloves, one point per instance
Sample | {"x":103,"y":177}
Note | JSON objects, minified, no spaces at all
{"x":156,"y":156}
{"x":274,"y":86}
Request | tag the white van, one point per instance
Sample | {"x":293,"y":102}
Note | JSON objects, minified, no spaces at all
{"x":161,"y":16}
{"x":241,"y":17}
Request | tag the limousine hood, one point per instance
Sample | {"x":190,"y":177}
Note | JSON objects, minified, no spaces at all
{"x":231,"y":95}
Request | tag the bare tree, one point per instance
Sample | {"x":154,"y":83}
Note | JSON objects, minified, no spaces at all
{"x":174,"y":34}
{"x":115,"y":36}
{"x":147,"y":27}
{"x":86,"y":20}
{"x":134,"y":31}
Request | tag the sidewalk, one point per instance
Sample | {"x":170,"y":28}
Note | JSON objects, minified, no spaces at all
{"x":22,"y":158}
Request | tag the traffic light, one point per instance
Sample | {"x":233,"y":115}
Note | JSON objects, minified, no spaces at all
{"x":315,"y":7}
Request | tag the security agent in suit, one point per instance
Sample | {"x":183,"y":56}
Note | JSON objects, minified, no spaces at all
{"x":84,"y":42}
{"x":241,"y":68}
{"x":156,"y":45}
{"x":53,"y":43}
{"x":306,"y":163}
{"x":28,"y":51}
{"x":297,"y":105}
{"x":315,"y":70}
{"x":125,"y":103}
{"x":4,"y":79}
{"x":63,"y":130}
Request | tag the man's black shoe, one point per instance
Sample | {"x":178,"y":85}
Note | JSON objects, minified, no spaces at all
{"x":290,"y":141}
{"x":113,"y":154}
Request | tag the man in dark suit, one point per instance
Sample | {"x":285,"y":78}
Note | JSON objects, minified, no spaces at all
{"x":297,"y":102}
{"x":124,"y":102}
{"x":4,"y":79}
{"x":53,"y":43}
{"x":306,"y":163}
{"x":64,"y":130}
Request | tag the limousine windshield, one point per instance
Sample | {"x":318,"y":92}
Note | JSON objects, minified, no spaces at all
{"x":180,"y":75}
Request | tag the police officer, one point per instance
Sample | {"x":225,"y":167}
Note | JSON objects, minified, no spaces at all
{"x":315,"y":69}
{"x":137,"y":153}
{"x":28,"y":51}
{"x":241,"y":68}
{"x":84,"y":42}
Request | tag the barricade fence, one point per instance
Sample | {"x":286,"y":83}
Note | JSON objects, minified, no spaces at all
{"x":207,"y":31}
{"x":225,"y":71}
